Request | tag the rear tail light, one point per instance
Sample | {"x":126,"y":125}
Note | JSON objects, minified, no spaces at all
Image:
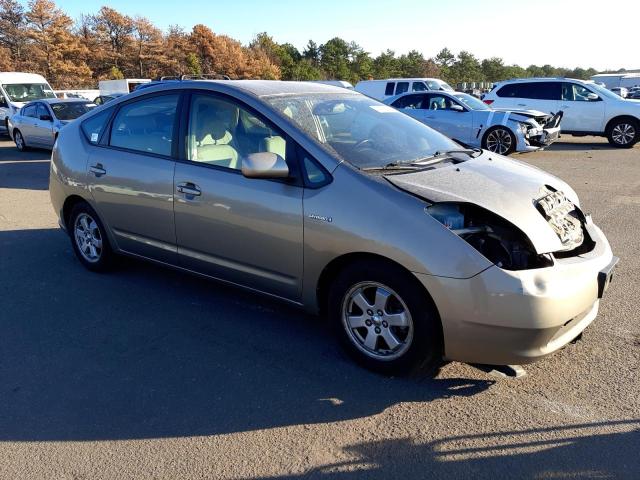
{"x":488,"y":102}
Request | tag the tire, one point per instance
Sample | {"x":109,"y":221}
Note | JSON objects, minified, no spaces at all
{"x":397,"y":308}
{"x":89,"y":239}
{"x":499,"y":140}
{"x":623,"y":133}
{"x":19,"y":141}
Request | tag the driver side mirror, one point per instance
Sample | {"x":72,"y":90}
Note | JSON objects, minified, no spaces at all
{"x":46,"y":118}
{"x":593,"y":97}
{"x":456,"y":108}
{"x":264,"y":165}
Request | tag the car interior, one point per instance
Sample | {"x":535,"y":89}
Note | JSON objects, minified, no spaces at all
{"x":221,"y":133}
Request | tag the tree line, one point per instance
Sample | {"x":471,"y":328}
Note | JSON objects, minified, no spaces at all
{"x":70,"y":53}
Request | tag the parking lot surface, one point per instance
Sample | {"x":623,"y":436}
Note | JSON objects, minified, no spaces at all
{"x":149,"y":373}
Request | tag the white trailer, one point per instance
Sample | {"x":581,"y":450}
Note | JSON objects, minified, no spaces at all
{"x":125,"y":85}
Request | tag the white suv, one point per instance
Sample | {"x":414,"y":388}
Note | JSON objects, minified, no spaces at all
{"x":588,"y":108}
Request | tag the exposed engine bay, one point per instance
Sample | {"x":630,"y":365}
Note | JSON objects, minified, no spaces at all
{"x":503,"y":243}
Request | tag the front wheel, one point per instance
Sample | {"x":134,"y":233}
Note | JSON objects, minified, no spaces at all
{"x":385,"y":320}
{"x":19,"y":141}
{"x":623,"y":133}
{"x":499,"y":140}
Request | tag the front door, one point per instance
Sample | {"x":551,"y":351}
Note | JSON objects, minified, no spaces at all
{"x":581,"y":113}
{"x":131,"y":177}
{"x":43,"y":129}
{"x":242,"y":230}
{"x":448,"y":117}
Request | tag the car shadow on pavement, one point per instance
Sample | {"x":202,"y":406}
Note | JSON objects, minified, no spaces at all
{"x":24,"y":170}
{"x":146,"y":352}
{"x":573,"y":451}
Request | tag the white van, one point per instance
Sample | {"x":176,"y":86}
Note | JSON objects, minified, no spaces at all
{"x":124,"y":85}
{"x":381,"y":89}
{"x":16,"y":89}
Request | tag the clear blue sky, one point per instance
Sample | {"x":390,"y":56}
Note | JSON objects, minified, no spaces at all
{"x":566,"y":33}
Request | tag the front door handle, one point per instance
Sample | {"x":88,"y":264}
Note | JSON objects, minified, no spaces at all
{"x":522,"y":104}
{"x":97,"y":169}
{"x":189,"y":188}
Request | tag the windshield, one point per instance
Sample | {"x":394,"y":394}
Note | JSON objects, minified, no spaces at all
{"x":361,"y":130}
{"x":603,"y":91}
{"x":71,"y":110}
{"x":446,"y":87}
{"x":26,"y":92}
{"x":471,"y":102}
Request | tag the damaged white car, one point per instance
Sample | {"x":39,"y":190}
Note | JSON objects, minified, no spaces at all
{"x":471,"y":122}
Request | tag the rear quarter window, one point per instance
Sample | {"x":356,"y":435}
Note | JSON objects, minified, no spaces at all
{"x":94,"y":127}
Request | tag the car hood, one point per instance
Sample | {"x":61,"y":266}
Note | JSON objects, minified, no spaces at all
{"x":508,"y":188}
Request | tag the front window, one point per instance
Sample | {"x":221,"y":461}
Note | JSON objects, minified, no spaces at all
{"x":27,"y":92}
{"x":574,"y":92}
{"x":71,"y":110}
{"x":418,"y":87}
{"x":361,"y":130}
{"x":603,"y":92}
{"x":471,"y":102}
{"x":221,"y":133}
{"x":444,"y":86}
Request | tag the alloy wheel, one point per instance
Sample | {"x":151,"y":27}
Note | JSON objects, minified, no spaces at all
{"x":623,"y":133}
{"x":377,"y":321}
{"x":19,"y":141}
{"x":88,"y":238}
{"x":499,"y":141}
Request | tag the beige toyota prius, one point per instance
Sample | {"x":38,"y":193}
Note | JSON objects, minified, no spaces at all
{"x":416,"y":249}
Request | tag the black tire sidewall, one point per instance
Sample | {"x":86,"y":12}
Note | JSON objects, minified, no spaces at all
{"x":424,"y":356}
{"x":514,"y":140}
{"x":106,"y":261}
{"x":635,"y":140}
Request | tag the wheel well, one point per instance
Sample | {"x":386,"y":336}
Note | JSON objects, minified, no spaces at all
{"x":69,"y":203}
{"x":335,"y":266}
{"x":611,"y":122}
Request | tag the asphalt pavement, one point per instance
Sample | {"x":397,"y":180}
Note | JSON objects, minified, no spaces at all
{"x":149,"y":373}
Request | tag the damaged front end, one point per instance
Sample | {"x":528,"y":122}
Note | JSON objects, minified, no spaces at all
{"x":506,"y":245}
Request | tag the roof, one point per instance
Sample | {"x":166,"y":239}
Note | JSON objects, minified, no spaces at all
{"x":54,"y":101}
{"x":20,"y":77}
{"x":264,"y":88}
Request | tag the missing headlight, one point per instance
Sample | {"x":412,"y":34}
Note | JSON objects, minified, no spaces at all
{"x":494,"y":237}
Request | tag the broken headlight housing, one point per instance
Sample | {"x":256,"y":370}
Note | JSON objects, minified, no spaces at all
{"x":497,"y":239}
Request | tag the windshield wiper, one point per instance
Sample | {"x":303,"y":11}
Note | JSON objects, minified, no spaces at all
{"x":426,"y":161}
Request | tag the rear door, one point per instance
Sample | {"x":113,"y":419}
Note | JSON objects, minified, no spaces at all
{"x":244,"y":230}
{"x":131,"y":175}
{"x":27,"y":123}
{"x":581,"y":114}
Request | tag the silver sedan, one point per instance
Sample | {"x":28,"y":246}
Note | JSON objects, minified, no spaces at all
{"x":37,"y":123}
{"x":415,"y":249}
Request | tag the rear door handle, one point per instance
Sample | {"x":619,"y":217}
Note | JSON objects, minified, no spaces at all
{"x":189,"y":188}
{"x":97,"y":169}
{"x":522,"y":104}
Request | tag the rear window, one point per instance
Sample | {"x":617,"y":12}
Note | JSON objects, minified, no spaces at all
{"x":94,"y":126}
{"x":146,"y":125}
{"x":389,"y":89}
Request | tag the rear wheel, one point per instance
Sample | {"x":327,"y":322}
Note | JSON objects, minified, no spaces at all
{"x":623,"y":133}
{"x":499,"y":140}
{"x":89,"y":239}
{"x":19,"y":141}
{"x":385,"y":320}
